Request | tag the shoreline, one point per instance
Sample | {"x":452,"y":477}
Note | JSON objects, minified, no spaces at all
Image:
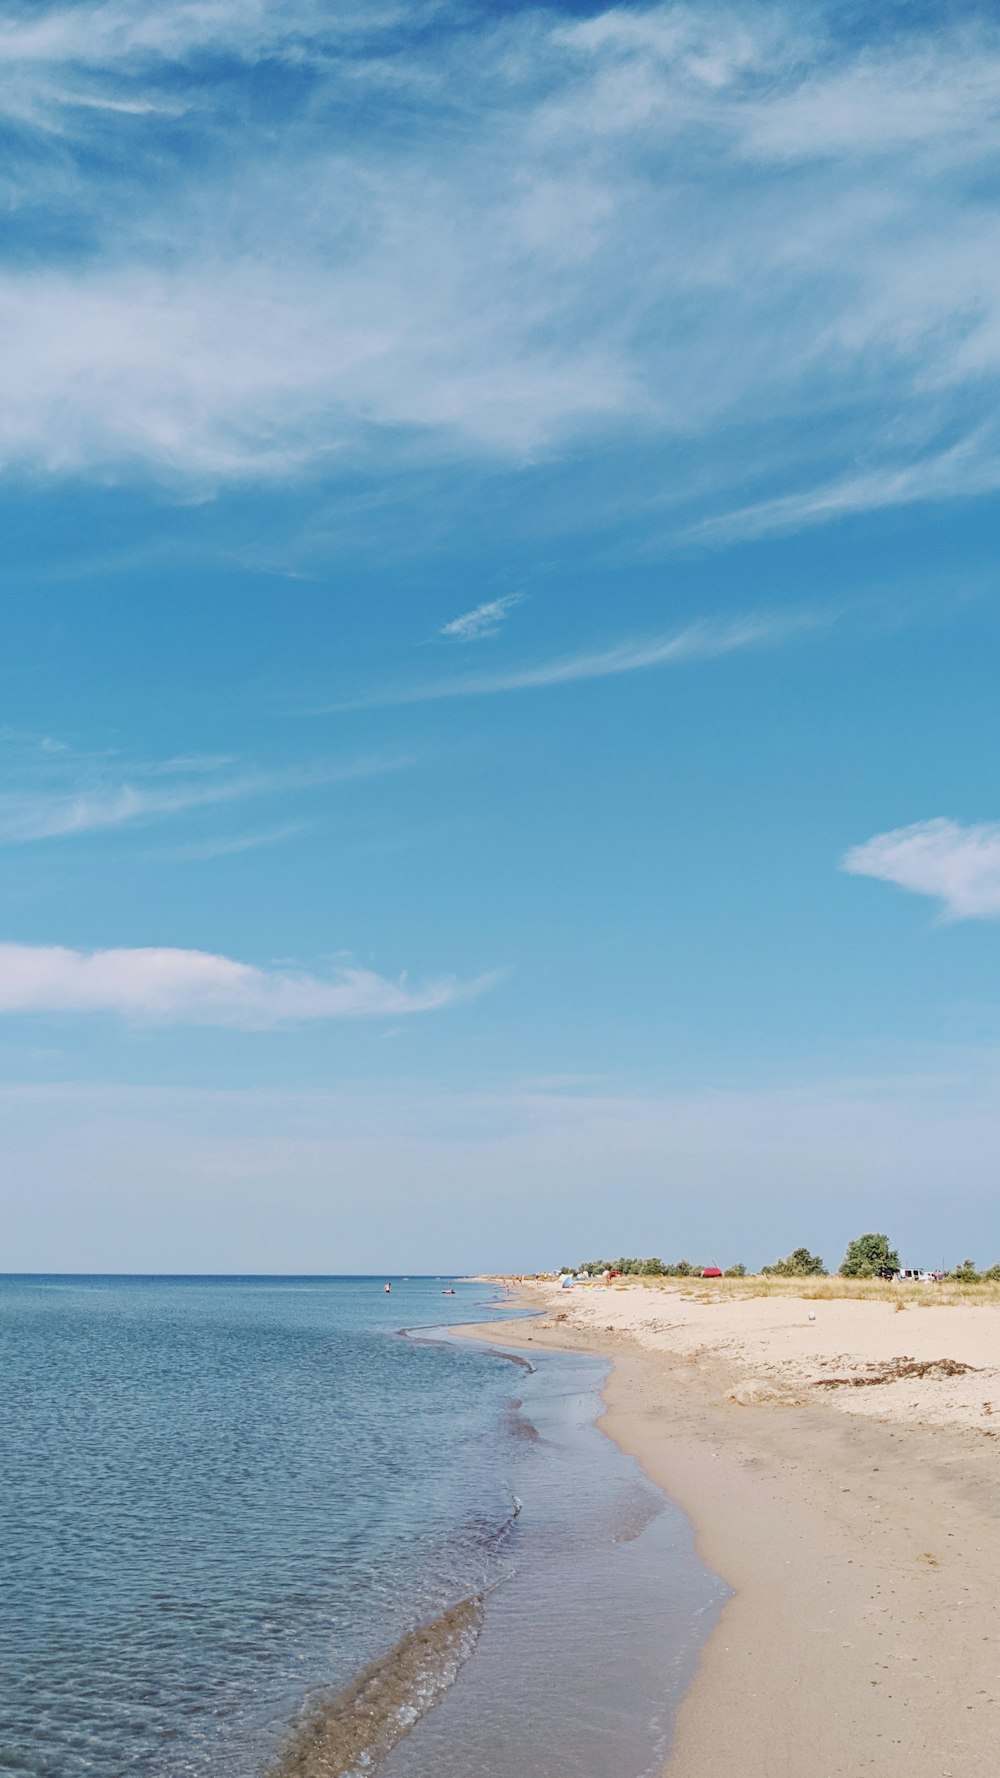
{"x":545,"y":1690}
{"x":861,"y":1541}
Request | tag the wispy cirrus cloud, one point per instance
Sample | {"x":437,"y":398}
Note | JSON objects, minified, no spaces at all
{"x":954,"y":864}
{"x":84,"y":795}
{"x":167,"y":986}
{"x":697,"y":642}
{"x":107,"y":36}
{"x":526,"y":237}
{"x":964,"y":471}
{"x":232,"y":845}
{"x":484,"y":620}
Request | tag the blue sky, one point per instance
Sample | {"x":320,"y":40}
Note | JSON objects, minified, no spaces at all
{"x":500,"y":633}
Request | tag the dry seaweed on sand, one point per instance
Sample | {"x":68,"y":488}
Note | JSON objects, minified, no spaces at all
{"x":896,"y":1369}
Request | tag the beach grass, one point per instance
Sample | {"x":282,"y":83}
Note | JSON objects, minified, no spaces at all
{"x":813,"y":1289}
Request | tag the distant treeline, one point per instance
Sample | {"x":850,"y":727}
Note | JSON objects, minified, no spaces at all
{"x":647,"y":1268}
{"x":870,"y":1256}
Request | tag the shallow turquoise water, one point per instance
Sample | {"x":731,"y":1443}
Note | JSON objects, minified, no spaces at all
{"x":219,"y":1498}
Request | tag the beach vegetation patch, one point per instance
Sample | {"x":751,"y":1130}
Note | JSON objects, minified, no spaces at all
{"x":798,"y":1264}
{"x":870,"y":1256}
{"x":966,"y":1273}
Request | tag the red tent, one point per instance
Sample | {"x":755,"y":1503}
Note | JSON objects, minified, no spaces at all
{"x":711,"y":1271}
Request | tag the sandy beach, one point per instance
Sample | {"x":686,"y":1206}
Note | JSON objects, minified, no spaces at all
{"x":841,"y":1467}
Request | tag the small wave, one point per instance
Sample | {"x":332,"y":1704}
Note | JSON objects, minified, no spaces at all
{"x":510,"y":1521}
{"x":347,"y":1735}
{"x":490,"y":1536}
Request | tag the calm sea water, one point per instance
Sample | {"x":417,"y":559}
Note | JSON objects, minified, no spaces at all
{"x":222,"y":1499}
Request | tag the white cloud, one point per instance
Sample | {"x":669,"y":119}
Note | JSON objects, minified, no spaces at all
{"x":153,"y":792}
{"x":698,"y":642}
{"x":167,"y":986}
{"x":906,"y":97}
{"x":957,"y":865}
{"x":216,"y":370}
{"x":484,"y":620}
{"x":106,"y":34}
{"x":655,"y":224}
{"x":962,"y":472}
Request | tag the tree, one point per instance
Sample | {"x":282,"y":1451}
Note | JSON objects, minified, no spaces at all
{"x":868,"y":1256}
{"x":992,"y":1276}
{"x":736,"y":1271}
{"x":800,"y":1264}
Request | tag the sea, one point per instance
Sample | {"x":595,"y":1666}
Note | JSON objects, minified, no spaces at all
{"x":290,"y":1528}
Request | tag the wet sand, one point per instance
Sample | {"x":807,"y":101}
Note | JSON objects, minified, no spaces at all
{"x":859,"y":1529}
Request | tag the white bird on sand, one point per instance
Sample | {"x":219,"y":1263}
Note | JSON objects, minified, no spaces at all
{"x":812,"y":1314}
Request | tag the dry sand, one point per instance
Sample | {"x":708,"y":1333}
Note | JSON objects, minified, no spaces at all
{"x":859,"y":1526}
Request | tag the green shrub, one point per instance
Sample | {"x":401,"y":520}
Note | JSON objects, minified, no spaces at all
{"x":800,"y":1264}
{"x":868,"y":1256}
